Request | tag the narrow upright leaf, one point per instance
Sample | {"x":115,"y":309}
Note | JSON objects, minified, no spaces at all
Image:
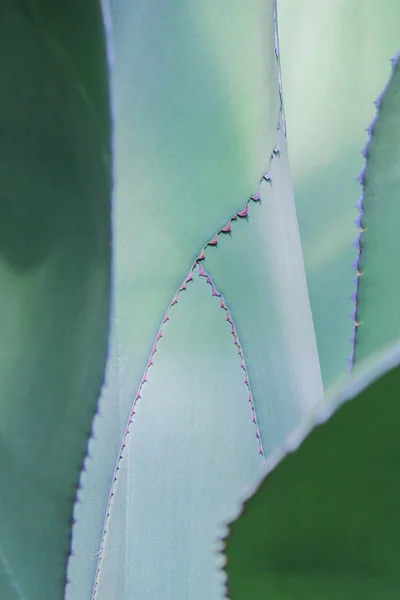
{"x":377,"y":301}
{"x":335,"y":62}
{"x":55,"y":182}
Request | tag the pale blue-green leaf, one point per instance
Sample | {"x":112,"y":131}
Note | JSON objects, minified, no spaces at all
{"x":197,"y":105}
{"x":191,"y":455}
{"x":260,"y":270}
{"x":335,"y":61}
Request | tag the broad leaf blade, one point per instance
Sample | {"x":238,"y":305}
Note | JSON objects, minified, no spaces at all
{"x":55,"y":173}
{"x":197,"y":104}
{"x":190,"y":457}
{"x":325,"y":522}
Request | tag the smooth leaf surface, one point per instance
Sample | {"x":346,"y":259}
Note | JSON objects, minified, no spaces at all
{"x":190,"y":457}
{"x":325,"y":522}
{"x":335,"y":58}
{"x":378,"y":297}
{"x":55,"y":178}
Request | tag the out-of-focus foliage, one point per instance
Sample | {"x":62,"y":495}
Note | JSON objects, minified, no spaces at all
{"x":325,"y":522}
{"x":55,"y":182}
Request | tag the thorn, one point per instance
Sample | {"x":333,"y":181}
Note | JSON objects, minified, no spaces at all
{"x":359,"y":203}
{"x":378,"y":101}
{"x":395,"y":59}
{"x":223,"y":305}
{"x":354,"y":264}
{"x":268,"y":177}
{"x":370,"y":127}
{"x":202,"y":272}
{"x":166,"y":318}
{"x":159,"y":335}
{"x":361,"y":177}
{"x":214,"y":241}
{"x":175,"y":300}
{"x":215,"y":292}
{"x":183,"y":287}
{"x":358,"y":221}
{"x":201,"y":256}
{"x":244,"y":214}
{"x":257,"y":198}
{"x":364,"y":151}
{"x":357,"y":242}
{"x":227,"y":228}
{"x":357,"y":324}
{"x":276,"y":151}
{"x":189,"y":277}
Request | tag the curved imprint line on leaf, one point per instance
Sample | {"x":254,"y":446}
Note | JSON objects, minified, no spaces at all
{"x":224,"y":306}
{"x":359,"y":221}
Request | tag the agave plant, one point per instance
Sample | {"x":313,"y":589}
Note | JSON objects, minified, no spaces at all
{"x":158,"y":341}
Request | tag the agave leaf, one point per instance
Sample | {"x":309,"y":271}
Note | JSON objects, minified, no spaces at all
{"x":189,"y":458}
{"x":377,"y":301}
{"x":197,"y":105}
{"x":348,"y":44}
{"x":325,"y":522}
{"x":260,"y":269}
{"x":55,"y":174}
